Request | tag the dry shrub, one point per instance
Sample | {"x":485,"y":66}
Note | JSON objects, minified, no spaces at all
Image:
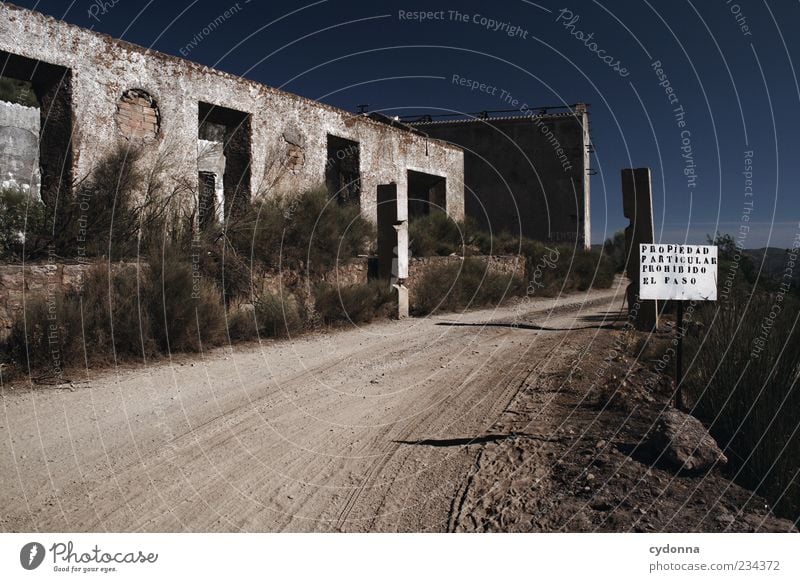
{"x":354,"y":303}
{"x":115,"y":324}
{"x":186,"y":309}
{"x":277,"y":314}
{"x":46,"y":336}
{"x":436,"y":234}
{"x":307,"y":232}
{"x":97,"y":324}
{"x":242,"y":323}
{"x":461,"y":285}
{"x":748,"y":391}
{"x":110,"y":209}
{"x":270,"y":315}
{"x":228,"y":269}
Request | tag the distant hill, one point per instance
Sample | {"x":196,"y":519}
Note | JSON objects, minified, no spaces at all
{"x":774,"y":262}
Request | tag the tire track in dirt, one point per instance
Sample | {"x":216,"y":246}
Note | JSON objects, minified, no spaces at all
{"x":273,"y":448}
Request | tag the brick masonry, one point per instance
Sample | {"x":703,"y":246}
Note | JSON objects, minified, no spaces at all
{"x":137,"y":115}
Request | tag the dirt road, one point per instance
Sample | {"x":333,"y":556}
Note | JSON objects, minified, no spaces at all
{"x":358,"y":430}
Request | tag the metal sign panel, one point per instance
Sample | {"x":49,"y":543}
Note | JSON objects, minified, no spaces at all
{"x":675,"y":271}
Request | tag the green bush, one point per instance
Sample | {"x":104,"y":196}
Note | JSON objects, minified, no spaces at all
{"x":743,"y":380}
{"x":457,"y":286}
{"x":22,"y":224}
{"x":257,"y":233}
{"x":115,"y":324}
{"x":436,"y":234}
{"x":546,"y":269}
{"x":46,"y":336}
{"x":307,"y":232}
{"x":186,"y":309}
{"x":354,"y":303}
{"x":96,"y":324}
{"x":439,"y":235}
{"x":277,"y":314}
{"x":117,"y":211}
{"x":590,"y":269}
{"x":614,"y":248}
{"x":106,"y":208}
{"x":17,"y":91}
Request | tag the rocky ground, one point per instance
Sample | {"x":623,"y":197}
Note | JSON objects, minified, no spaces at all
{"x":581,"y":449}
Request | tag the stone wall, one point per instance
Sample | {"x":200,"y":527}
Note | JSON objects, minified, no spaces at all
{"x":19,"y":285}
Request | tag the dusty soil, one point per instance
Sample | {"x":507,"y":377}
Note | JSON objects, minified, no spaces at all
{"x":476,"y":421}
{"x":572,"y":453}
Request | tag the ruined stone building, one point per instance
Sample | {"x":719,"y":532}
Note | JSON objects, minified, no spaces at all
{"x":523,"y":174}
{"x":227,"y":137}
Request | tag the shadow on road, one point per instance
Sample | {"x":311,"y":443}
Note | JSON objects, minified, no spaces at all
{"x":607,"y":317}
{"x":530,"y":326}
{"x":457,"y":442}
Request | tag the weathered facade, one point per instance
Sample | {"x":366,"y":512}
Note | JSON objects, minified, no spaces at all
{"x":207,"y":126}
{"x":525,"y":174}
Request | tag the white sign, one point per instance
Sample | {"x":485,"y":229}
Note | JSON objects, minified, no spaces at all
{"x":683,"y":272}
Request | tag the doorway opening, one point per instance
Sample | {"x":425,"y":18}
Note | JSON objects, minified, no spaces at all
{"x":224,"y":137}
{"x":343,"y":171}
{"x":427,"y":194}
{"x":36,"y":144}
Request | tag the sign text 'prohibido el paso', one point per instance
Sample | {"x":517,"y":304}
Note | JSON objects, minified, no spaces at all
{"x":682,"y":272}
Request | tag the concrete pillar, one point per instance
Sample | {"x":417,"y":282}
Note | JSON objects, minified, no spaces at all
{"x":637,"y":204}
{"x":400,"y":269}
{"x":402,"y":300}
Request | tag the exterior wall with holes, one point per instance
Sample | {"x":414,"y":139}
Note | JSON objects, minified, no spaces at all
{"x":123,"y":93}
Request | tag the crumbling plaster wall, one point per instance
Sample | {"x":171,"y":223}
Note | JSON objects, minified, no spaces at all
{"x":103,"y":68}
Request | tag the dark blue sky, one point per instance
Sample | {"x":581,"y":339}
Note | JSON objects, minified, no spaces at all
{"x":730,"y":65}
